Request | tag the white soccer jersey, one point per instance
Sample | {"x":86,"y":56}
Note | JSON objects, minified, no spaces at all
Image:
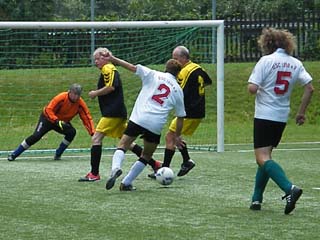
{"x":160,"y":94}
{"x":276,"y":74}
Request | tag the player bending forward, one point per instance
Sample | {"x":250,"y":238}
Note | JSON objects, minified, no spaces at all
{"x":160,"y":94}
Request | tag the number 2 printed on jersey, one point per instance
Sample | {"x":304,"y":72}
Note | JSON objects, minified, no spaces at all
{"x":164,"y":92}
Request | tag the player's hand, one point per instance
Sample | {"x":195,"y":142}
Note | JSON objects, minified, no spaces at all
{"x":180,"y":143}
{"x":92,"y":94}
{"x":300,"y":119}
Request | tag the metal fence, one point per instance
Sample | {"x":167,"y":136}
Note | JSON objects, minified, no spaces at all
{"x":241,"y":33}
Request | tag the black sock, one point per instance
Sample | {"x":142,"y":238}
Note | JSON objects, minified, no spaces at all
{"x":96,"y":151}
{"x":168,"y":155}
{"x":185,"y":154}
{"x":137,"y":150}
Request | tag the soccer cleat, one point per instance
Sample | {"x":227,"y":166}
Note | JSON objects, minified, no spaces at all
{"x":157,"y":166}
{"x":152,"y":175}
{"x":256,"y":206}
{"x":186,"y":167}
{"x":114,"y":175}
{"x":126,"y":187}
{"x":57,"y":157}
{"x":11,"y":157}
{"x":291,"y":199}
{"x":89,"y":178}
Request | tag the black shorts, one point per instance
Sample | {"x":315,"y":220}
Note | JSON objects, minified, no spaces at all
{"x":267,"y":133}
{"x":134,"y":130}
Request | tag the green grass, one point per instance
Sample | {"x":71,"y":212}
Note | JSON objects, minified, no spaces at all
{"x":41,"y":199}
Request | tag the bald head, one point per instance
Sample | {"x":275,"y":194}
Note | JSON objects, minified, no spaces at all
{"x":181,"y":54}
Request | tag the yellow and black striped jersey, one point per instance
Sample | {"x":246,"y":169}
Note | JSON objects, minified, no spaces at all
{"x":112,"y":104}
{"x":193,"y":79}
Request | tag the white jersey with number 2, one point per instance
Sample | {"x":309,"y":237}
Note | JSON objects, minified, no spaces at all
{"x":276,"y":74}
{"x":160,"y":94}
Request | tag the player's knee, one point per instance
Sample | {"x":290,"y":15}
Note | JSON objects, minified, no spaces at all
{"x":71,"y":133}
{"x":97,"y":138}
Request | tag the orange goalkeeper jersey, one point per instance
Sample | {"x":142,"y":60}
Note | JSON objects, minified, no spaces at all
{"x":61,"y":108}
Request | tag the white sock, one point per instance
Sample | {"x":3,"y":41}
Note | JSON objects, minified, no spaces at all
{"x":135,"y":170}
{"x":117,"y":159}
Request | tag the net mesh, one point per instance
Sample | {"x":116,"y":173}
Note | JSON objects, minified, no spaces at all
{"x":35,"y":65}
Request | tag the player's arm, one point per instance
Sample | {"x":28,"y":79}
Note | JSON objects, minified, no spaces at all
{"x":100,"y":92}
{"x":50,"y":110}
{"x":253,"y":88}
{"x":122,"y":63}
{"x":306,"y":98}
{"x":86,"y":117}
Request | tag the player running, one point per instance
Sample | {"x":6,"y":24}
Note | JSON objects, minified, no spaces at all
{"x":272,"y":81}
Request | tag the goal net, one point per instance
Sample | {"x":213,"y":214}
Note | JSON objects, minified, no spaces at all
{"x":41,"y":59}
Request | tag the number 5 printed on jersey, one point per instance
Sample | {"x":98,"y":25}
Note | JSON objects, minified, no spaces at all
{"x":282,"y":82}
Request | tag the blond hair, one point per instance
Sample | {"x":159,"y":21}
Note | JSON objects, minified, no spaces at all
{"x":271,"y":39}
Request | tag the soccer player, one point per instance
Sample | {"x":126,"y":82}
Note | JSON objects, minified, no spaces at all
{"x":113,"y":110}
{"x":193,"y":79}
{"x":160,"y":94}
{"x":57,"y":116}
{"x":272,"y":81}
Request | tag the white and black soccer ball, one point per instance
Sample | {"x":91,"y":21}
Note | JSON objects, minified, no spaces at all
{"x":165,"y":176}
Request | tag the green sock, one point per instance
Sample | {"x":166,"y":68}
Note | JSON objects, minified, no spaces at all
{"x":277,"y":174}
{"x":262,"y":179}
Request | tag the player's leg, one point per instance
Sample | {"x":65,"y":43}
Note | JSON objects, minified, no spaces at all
{"x":261,"y":181}
{"x":151,"y":142}
{"x":189,"y":127}
{"x":41,"y":129}
{"x":69,"y":133}
{"x":111,"y":127}
{"x":118,"y":158}
{"x":129,"y":136}
{"x":95,"y":158}
{"x":272,"y":133}
{"x":136,"y":149}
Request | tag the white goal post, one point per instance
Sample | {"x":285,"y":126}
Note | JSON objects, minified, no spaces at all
{"x":215,"y":24}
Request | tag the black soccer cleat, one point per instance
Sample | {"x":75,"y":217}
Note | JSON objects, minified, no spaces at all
{"x":114,"y":175}
{"x":291,"y":199}
{"x":255,"y":206}
{"x":186,"y":167}
{"x":152,"y":175}
{"x":11,"y":157}
{"x":126,"y":187}
{"x":57,"y":157}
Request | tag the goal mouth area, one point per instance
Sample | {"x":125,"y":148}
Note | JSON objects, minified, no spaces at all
{"x":56,"y":54}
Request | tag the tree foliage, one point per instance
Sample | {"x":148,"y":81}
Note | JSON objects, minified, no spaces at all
{"x":122,"y":10}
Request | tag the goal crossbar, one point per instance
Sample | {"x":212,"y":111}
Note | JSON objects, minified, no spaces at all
{"x":218,"y":24}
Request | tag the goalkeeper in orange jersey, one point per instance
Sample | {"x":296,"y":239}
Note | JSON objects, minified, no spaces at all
{"x":57,"y":116}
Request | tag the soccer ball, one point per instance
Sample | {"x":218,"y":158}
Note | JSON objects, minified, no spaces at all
{"x":165,"y":176}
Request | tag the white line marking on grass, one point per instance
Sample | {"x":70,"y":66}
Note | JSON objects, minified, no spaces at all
{"x":316,"y":188}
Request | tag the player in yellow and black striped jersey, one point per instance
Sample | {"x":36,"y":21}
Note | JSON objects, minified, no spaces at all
{"x":193,"y":79}
{"x":113,"y":110}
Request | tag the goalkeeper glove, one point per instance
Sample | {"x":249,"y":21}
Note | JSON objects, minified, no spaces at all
{"x":62,"y":125}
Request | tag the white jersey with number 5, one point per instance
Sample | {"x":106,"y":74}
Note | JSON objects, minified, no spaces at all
{"x":160,"y":94}
{"x":276,"y":74}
